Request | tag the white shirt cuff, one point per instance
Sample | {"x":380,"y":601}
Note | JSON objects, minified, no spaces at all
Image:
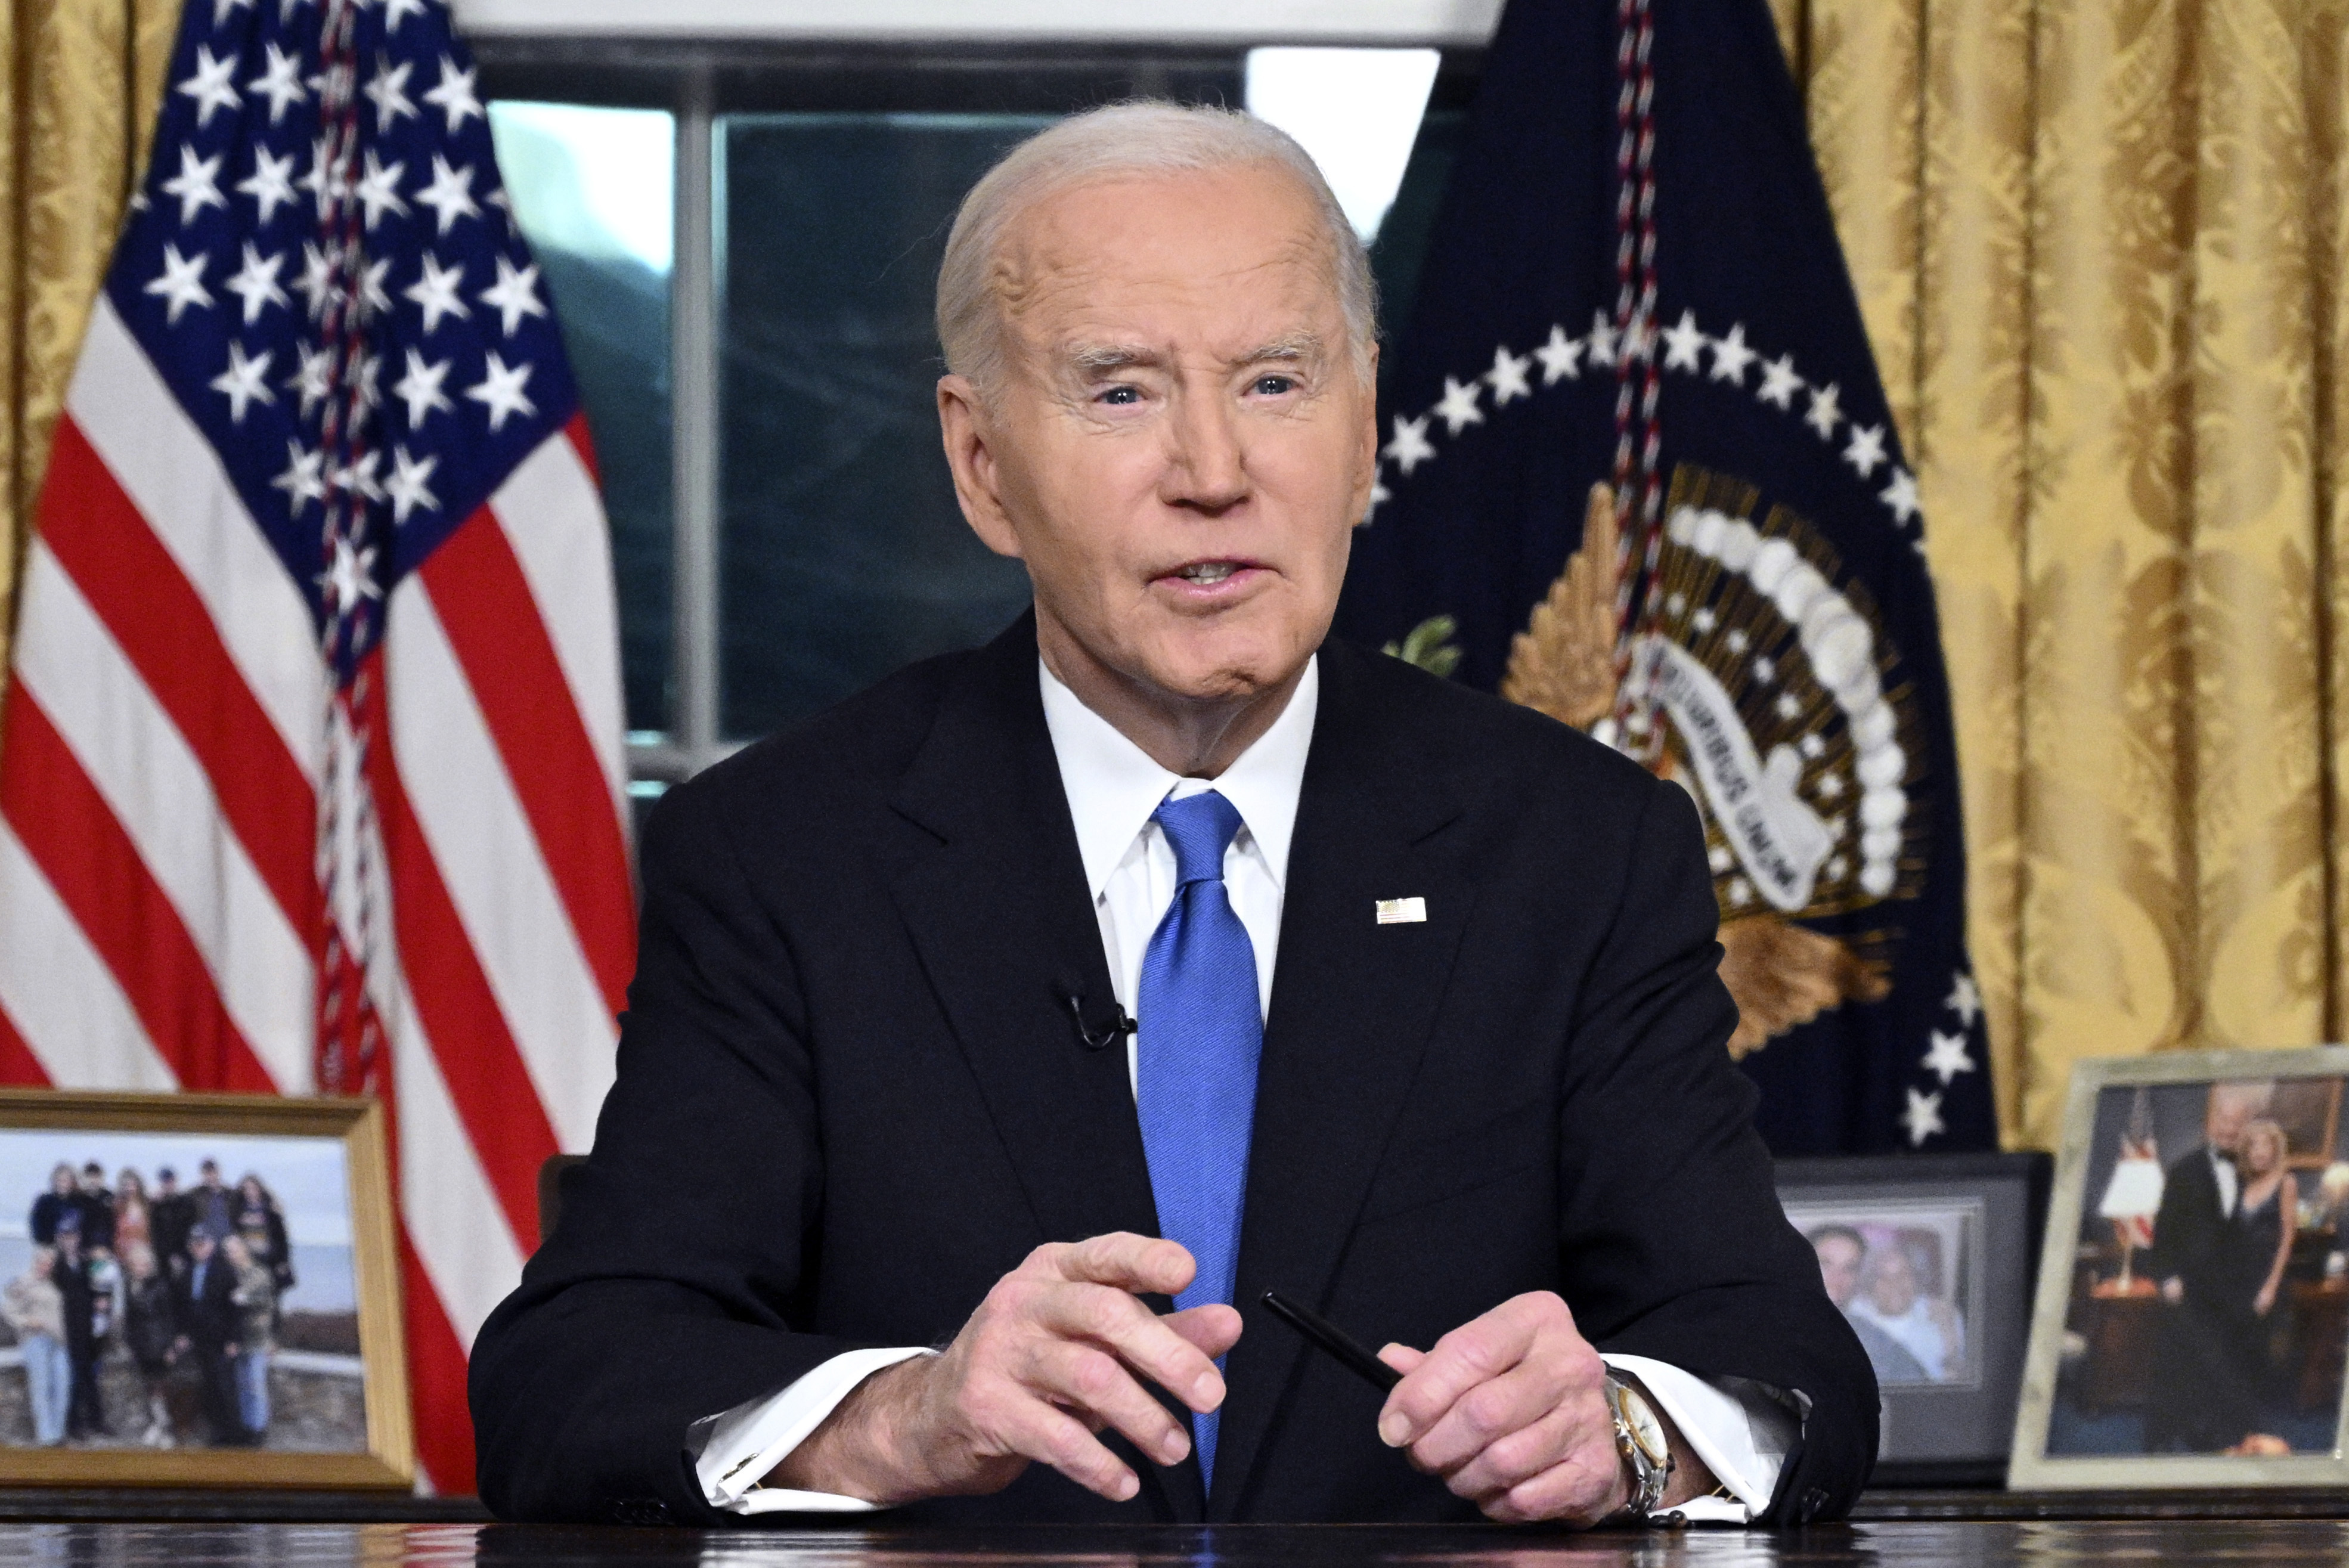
{"x":1743,"y":1437}
{"x":752,"y":1439}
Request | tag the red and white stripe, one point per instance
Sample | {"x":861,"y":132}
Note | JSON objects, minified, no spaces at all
{"x":164,"y":742}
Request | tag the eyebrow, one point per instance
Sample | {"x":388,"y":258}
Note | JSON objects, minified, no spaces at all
{"x":1094,"y":359}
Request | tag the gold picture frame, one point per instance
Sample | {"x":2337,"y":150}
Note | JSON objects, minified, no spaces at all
{"x":385,"y":1456}
{"x":2122,"y":1385}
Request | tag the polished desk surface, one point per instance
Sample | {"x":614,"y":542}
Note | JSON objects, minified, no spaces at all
{"x":1928,"y":1529}
{"x":1910,"y":1543}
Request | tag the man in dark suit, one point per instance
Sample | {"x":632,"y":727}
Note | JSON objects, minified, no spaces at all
{"x":1429,"y":1031}
{"x":2201,"y":1399}
{"x":208,"y":1324}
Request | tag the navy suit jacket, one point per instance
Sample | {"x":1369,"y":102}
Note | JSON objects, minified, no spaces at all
{"x":850,"y":1098}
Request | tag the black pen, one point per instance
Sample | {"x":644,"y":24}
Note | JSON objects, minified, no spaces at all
{"x":1328,"y":1336}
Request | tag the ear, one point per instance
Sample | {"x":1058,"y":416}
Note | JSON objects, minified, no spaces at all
{"x":1367,"y":464}
{"x":969,"y":439}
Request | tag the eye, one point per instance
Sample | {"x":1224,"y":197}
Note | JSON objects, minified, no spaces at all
{"x":1274,"y":386}
{"x":1120,"y":396}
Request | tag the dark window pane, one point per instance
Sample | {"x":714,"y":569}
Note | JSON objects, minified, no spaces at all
{"x":844,"y":555}
{"x":593,"y":190}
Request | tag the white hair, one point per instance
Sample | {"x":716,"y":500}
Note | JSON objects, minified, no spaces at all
{"x":1148,"y":136}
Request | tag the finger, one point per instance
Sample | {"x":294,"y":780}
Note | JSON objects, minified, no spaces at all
{"x":1146,"y":1263}
{"x":1402,"y":1358}
{"x":1213,"y":1328}
{"x":1474,"y":1353}
{"x":1492,"y":1410}
{"x":1055,"y":1438}
{"x":1516,"y":1457}
{"x":1097,"y":1389}
{"x":1574,"y":1489}
{"x":1115,"y":1320}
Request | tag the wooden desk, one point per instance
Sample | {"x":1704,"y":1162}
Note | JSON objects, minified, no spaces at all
{"x":1923,"y":1530}
{"x":1912,"y":1543}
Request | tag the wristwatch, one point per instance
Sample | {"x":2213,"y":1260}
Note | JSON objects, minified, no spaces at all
{"x":1647,"y":1453}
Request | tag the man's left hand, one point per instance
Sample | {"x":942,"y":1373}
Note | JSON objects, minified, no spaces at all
{"x":1511,"y":1410}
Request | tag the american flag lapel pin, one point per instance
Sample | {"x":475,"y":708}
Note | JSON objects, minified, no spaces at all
{"x":1401,"y":911}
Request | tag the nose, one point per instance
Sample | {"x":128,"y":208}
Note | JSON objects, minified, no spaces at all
{"x":1206,"y":471}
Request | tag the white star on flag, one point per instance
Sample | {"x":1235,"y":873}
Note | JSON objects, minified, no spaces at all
{"x":303,"y":480}
{"x":1730,"y":356}
{"x":1558,"y":357}
{"x":1507,"y":376}
{"x":1965,"y":998}
{"x":181,"y":284}
{"x":500,"y":390}
{"x":241,"y":381}
{"x":514,"y":295}
{"x":281,"y":84}
{"x":197,"y":184}
{"x":419,"y":389}
{"x":271,"y":183}
{"x":315,"y":379}
{"x":1379,"y":494}
{"x":1683,"y":342}
{"x":373,"y":301}
{"x":1779,"y":382}
{"x":454,"y":97}
{"x":255,"y":283}
{"x":326,"y":182}
{"x":1602,"y":338}
{"x":387,"y":90}
{"x":378,"y":189}
{"x":1457,"y":407}
{"x":1411,"y":446}
{"x":1923,"y":1117}
{"x":1948,"y":1057}
{"x":1867,"y":449}
{"x":221,"y":8}
{"x":1823,"y":416}
{"x":359,"y":479}
{"x":435,"y":293}
{"x":1900,"y":495}
{"x":211,"y":86}
{"x":395,"y":12}
{"x":350,"y":577}
{"x":450,"y":194}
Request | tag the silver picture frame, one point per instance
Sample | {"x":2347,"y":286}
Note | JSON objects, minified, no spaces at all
{"x":2098,"y":1332}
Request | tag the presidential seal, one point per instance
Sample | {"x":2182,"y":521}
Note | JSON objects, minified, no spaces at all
{"x":1757,"y":681}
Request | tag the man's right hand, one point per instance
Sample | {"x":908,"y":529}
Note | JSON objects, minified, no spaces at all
{"x":1057,"y":1352}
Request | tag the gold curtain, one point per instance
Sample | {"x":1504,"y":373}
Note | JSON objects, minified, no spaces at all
{"x":2099,"y":244}
{"x":82,"y":83}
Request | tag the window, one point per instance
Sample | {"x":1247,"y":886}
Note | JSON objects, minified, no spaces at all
{"x":742,"y":244}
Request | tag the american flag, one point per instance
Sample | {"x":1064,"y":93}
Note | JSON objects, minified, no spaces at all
{"x":311,"y":774}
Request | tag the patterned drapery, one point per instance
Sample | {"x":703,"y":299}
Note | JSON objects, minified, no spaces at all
{"x":2100,"y":248}
{"x":80,"y":81}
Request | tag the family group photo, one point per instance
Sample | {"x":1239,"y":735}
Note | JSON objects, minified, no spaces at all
{"x":2209,"y":1303}
{"x":169,"y":1291}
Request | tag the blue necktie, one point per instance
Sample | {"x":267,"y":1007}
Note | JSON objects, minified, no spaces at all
{"x":1202,"y":1031}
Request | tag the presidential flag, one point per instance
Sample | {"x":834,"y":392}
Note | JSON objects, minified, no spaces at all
{"x":1635,"y":283}
{"x":311,"y":775}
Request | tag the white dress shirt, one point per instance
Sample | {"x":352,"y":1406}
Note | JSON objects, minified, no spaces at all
{"x":1113,"y":787}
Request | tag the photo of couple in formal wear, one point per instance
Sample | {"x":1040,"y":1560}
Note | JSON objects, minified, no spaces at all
{"x":154,"y":1300}
{"x":1900,"y":1272}
{"x":2209,"y":1308}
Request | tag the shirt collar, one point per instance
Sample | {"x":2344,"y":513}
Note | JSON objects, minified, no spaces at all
{"x":1114,"y":786}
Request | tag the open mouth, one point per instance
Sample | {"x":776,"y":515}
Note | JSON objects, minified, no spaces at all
{"x":1209,"y":571}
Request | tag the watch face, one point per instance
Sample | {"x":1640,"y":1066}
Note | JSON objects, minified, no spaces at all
{"x":1646,"y":1430}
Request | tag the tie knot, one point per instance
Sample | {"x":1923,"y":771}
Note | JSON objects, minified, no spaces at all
{"x":1201,"y":827}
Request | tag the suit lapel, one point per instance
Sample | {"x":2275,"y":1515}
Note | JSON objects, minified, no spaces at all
{"x":998,"y":910}
{"x":1353,"y":1003}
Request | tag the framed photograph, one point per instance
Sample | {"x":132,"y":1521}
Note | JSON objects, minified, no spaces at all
{"x":199,"y":1290}
{"x":1928,"y":1257}
{"x":2193,"y":1301}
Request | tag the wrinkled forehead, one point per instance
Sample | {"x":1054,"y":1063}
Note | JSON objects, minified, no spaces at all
{"x":1218,"y":258}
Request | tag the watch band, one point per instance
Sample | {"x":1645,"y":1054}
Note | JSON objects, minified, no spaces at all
{"x":1650,"y":1479}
